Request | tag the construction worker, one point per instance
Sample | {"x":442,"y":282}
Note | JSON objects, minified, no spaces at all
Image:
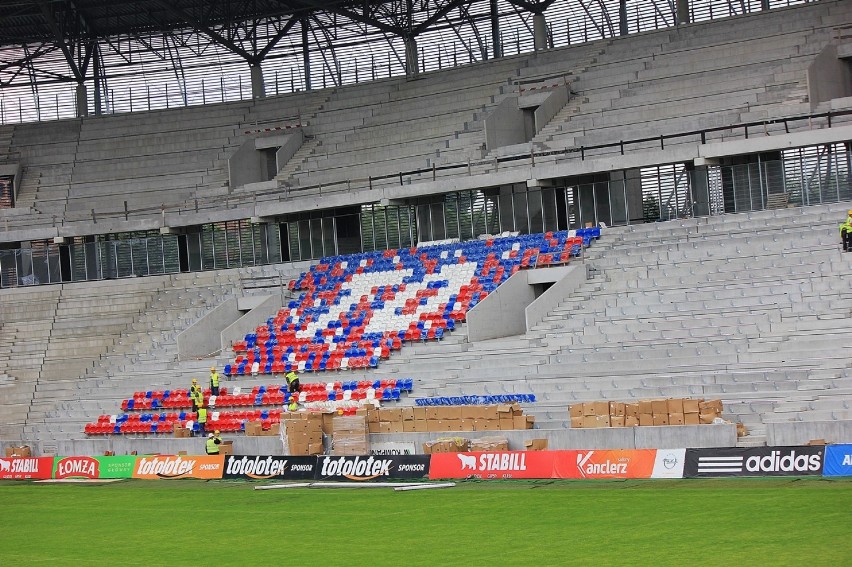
{"x":292,"y":382}
{"x":846,"y":232}
{"x":212,"y":443}
{"x":202,"y":420}
{"x":214,"y":381}
{"x":293,"y":405}
{"x":195,"y":395}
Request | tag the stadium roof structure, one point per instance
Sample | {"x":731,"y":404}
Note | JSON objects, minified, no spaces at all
{"x":116,"y":47}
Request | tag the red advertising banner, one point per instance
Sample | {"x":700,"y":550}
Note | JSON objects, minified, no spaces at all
{"x":606,"y":463}
{"x":492,"y":465}
{"x":179,"y":466}
{"x":21,"y":468}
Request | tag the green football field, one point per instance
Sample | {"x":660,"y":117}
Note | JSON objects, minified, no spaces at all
{"x":679,"y":522}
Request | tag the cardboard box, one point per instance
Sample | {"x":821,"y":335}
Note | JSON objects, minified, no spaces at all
{"x":706,"y":418}
{"x":253,"y":428}
{"x":179,"y":432}
{"x":661,"y":419}
{"x":433,"y":413}
{"x":487,"y":425}
{"x":588,"y":408}
{"x":226,"y":448}
{"x":590,"y":421}
{"x":395,"y":427}
{"x":520,"y":422}
{"x":674,"y":405}
{"x":407,"y":414}
{"x":373,"y":427}
{"x":467,"y":424}
{"x":617,"y":421}
{"x":273,"y":431}
{"x":535,"y":444}
{"x":435,"y":425}
{"x":742,"y":430}
{"x":507,"y":423}
{"x":646,"y":406}
{"x":19,"y":451}
{"x":659,"y":407}
{"x":420,"y":413}
{"x":489,"y":444}
{"x":676,"y":419}
{"x":452,"y":412}
{"x":711,"y":405}
{"x":690,"y":406}
{"x":616,"y":409}
{"x":817,"y":442}
{"x":691,"y":419}
{"x":601,"y":408}
{"x":646,"y":419}
{"x":488,"y":412}
{"x":408,"y":426}
{"x":315,"y":449}
{"x":631,"y":410}
{"x":631,"y":421}
{"x":577,"y":422}
{"x":421,"y":426}
{"x":575,"y":410}
{"x":328,"y":422}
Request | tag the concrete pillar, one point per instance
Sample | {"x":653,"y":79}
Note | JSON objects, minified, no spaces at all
{"x":257,"y":88}
{"x":306,"y":56}
{"x":495,"y":30}
{"x":82,"y":100}
{"x":539,"y":32}
{"x":682,"y":11}
{"x":412,"y":64}
{"x":622,"y":17}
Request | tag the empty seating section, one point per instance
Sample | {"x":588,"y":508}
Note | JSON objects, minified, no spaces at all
{"x":261,"y":403}
{"x":354,"y":310}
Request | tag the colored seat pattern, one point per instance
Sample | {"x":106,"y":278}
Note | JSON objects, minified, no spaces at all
{"x":353,"y":311}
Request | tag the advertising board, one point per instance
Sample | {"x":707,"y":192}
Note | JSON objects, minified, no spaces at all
{"x":179,"y":466}
{"x":606,"y":463}
{"x":754,"y":461}
{"x":838,"y":460}
{"x":493,"y":464}
{"x":94,"y":467}
{"x":22,"y":468}
{"x":269,"y":467}
{"x":372,"y":467}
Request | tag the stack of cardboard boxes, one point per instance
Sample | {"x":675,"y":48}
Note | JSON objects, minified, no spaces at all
{"x":22,"y":451}
{"x":303,"y":432}
{"x":349,"y":436}
{"x":255,"y":429}
{"x":447,"y":445}
{"x":489,"y":444}
{"x":676,"y":411}
{"x":505,"y":417}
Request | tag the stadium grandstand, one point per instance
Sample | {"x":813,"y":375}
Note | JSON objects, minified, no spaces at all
{"x":415,"y":204}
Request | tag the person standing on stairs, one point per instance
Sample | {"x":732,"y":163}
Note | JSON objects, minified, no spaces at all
{"x":846,"y":232}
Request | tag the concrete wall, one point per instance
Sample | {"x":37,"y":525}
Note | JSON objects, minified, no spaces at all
{"x":245,"y":165}
{"x":800,"y":432}
{"x":203,"y":338}
{"x":505,"y":125}
{"x":688,"y":436}
{"x":692,"y":436}
{"x":569,"y":278}
{"x":260,"y":312}
{"x":828,"y":77}
{"x":555,"y":101}
{"x":501,"y":314}
{"x":288,"y":149}
{"x":14,"y":170}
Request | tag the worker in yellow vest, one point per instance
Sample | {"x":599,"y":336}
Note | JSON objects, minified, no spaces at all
{"x":212,"y":443}
{"x":846,"y":233}
{"x":202,"y":420}
{"x":292,"y":382}
{"x":195,"y":395}
{"x":294,"y":403}
{"x":214,"y":381}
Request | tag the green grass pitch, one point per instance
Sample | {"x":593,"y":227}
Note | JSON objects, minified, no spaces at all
{"x":682,"y":522}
